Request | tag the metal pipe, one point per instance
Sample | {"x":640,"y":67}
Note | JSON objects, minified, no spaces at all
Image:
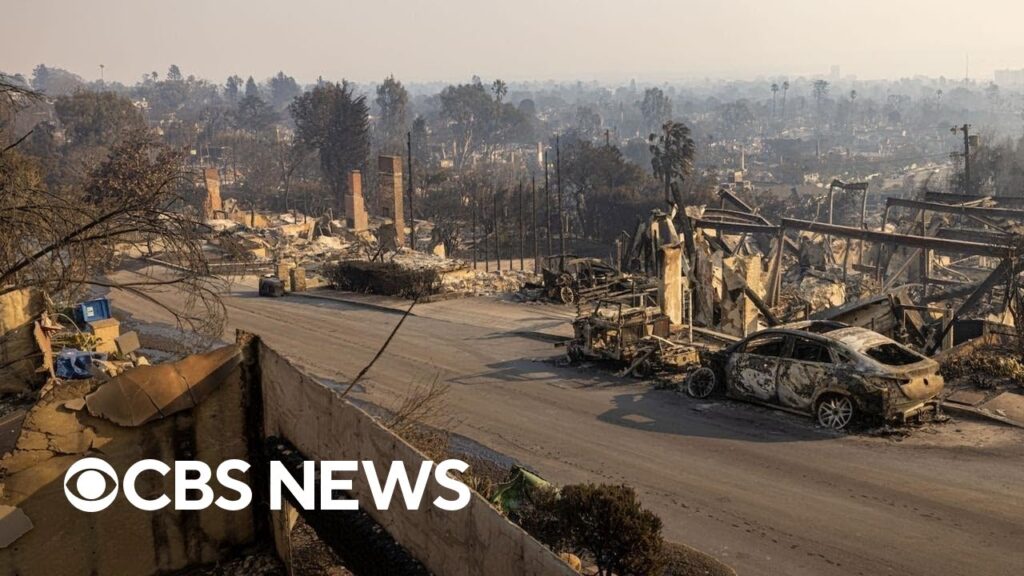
{"x":689,"y":312}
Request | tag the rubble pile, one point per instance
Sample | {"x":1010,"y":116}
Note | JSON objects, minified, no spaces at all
{"x":913,"y":290}
{"x":468,"y":282}
{"x":409,"y":273}
{"x":818,"y":292}
{"x":363,"y":252}
{"x":358,"y":262}
{"x":415,"y":260}
{"x":985,"y":369}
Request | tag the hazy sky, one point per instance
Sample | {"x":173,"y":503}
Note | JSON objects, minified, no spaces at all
{"x":449,"y":40}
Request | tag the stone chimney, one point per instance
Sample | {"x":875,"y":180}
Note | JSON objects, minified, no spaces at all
{"x":212,"y":204}
{"x":390,"y":197}
{"x":670,"y":285}
{"x":355,"y":207}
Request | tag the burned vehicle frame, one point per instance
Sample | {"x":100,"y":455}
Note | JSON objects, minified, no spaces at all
{"x":829,"y":370}
{"x":620,"y":330}
{"x":570,"y":279}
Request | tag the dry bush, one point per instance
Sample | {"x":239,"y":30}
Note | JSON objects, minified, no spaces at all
{"x":421,"y":419}
{"x":384,"y":278}
{"x":609,"y":524}
{"x":602,"y":522}
{"x":483,"y":475}
{"x":541,"y":516}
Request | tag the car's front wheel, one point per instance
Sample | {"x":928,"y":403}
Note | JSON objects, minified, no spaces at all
{"x":835,"y":411}
{"x":701,"y":383}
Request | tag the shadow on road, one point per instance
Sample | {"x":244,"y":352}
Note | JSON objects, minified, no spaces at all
{"x":541,"y":371}
{"x":667,"y":412}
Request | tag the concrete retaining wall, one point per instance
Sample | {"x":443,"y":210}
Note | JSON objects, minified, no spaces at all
{"x":324,"y":426}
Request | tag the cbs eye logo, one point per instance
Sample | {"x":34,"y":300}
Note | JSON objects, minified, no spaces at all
{"x":90,"y":484}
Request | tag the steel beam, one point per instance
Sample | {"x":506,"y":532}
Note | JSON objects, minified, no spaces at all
{"x":948,"y":198}
{"x":938,"y":244}
{"x":735,"y":227}
{"x":975,"y":235}
{"x":977,"y":211}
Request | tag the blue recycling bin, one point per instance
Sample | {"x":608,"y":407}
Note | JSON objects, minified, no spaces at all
{"x":92,"y":310}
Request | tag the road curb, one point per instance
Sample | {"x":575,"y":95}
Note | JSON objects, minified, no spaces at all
{"x":343,"y":300}
{"x":979,"y":414}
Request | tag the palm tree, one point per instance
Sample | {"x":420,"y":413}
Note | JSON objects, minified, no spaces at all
{"x":820,"y":91}
{"x":500,"y":89}
{"x":785,"y":89}
{"x":853,"y":103}
{"x":775,"y":91}
{"x":672,"y":156}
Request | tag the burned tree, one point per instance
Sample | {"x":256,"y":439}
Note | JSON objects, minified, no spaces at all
{"x":134,"y":203}
{"x":334,"y":121}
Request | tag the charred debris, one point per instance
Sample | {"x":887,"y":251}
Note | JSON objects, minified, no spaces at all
{"x":932,"y":281}
{"x":936,"y":273}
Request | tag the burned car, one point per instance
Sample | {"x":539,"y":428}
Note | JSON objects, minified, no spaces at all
{"x":570,"y":279}
{"x":829,"y":370}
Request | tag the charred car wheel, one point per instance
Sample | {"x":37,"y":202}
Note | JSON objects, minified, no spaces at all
{"x":644,"y":369}
{"x":835,"y":411}
{"x":701,"y":383}
{"x":574,"y":353}
{"x":567,"y":295}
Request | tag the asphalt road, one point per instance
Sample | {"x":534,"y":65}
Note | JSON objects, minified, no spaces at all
{"x":765,"y":491}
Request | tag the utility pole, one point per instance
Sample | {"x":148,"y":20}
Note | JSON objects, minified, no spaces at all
{"x":533,"y":226}
{"x":967,"y":159}
{"x":487,"y":240}
{"x":968,"y":183}
{"x":412,"y":211}
{"x":522,"y":230}
{"x":561,"y":219}
{"x":497,"y":236}
{"x":476,"y":236}
{"x":547,"y":203}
